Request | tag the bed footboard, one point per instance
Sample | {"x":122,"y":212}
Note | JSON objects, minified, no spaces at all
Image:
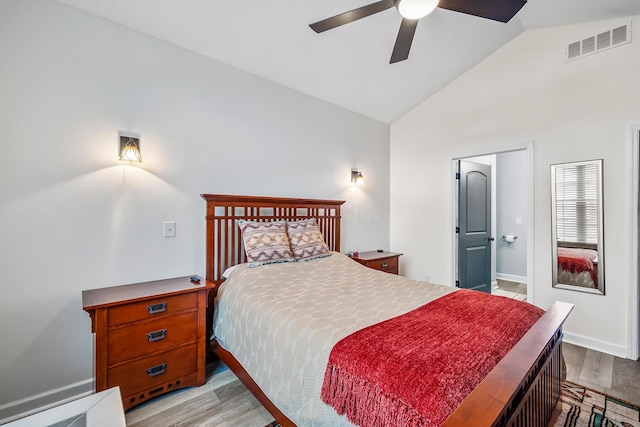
{"x":541,"y":398}
{"x":524,"y":388}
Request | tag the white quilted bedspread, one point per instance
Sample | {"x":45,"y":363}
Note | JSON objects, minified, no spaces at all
{"x":280,"y":321}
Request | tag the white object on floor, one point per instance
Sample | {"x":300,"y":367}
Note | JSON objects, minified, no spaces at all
{"x":102,"y":409}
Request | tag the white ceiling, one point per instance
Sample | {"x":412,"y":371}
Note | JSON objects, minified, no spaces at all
{"x":348,"y":66}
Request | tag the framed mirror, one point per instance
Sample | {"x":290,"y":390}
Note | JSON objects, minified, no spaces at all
{"x":576,"y":224}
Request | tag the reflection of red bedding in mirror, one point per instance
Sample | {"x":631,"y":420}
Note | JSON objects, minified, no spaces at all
{"x":577,"y":260}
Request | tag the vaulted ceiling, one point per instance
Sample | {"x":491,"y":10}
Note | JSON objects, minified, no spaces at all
{"x":347,"y":66}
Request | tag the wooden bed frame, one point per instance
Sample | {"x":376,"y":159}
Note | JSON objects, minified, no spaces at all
{"x":522,"y":390}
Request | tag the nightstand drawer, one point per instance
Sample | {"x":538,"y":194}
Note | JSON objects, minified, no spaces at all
{"x":151,"y":309}
{"x":150,"y":337}
{"x":379,"y":260}
{"x":154,"y":370}
{"x":390,"y":265}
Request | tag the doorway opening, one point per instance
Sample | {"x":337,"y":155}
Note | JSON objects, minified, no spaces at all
{"x":493,"y":209}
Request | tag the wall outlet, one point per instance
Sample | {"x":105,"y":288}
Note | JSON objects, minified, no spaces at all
{"x":169,"y":229}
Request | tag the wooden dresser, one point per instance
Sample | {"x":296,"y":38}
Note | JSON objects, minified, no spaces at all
{"x":383,"y":261}
{"x":150,"y":337}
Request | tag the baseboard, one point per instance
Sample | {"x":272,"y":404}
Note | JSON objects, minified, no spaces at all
{"x":42,"y":401}
{"x":511,"y":277}
{"x":595,"y":344}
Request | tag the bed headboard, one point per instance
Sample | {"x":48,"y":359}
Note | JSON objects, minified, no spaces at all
{"x":224,"y":240}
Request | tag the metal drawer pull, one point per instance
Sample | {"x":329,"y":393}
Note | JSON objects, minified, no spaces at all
{"x":384,"y":264}
{"x":157,"y":370}
{"x":157,"y":308}
{"x":157,"y":335}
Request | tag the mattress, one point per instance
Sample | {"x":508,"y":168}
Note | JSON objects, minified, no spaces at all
{"x":280,"y":321}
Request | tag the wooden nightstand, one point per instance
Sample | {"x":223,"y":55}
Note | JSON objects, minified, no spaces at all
{"x":150,"y":337}
{"x":383,"y":261}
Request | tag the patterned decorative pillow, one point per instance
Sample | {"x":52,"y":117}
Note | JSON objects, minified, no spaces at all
{"x":306,"y":240}
{"x":265,"y":242}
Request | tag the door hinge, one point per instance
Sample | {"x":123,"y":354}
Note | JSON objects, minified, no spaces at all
{"x":457,"y":230}
{"x":457,"y":175}
{"x":457,"y":283}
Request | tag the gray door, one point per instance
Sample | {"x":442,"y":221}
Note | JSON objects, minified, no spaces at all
{"x":474,"y":222}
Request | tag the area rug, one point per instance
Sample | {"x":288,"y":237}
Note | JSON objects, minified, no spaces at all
{"x":583,"y":407}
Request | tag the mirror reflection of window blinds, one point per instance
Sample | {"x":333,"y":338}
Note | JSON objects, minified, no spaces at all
{"x":577,"y":203}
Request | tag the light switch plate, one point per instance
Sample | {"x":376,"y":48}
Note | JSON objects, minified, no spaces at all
{"x":169,"y":229}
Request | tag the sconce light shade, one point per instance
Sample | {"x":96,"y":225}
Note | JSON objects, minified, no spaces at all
{"x":356,"y":177}
{"x":130,"y":149}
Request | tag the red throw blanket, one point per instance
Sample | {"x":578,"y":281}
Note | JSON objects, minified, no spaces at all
{"x":416,"y":369}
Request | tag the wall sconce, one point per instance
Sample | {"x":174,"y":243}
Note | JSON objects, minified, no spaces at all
{"x":130,"y":149}
{"x":356,"y":177}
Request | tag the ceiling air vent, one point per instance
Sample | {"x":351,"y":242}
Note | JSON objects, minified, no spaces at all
{"x":603,"y":41}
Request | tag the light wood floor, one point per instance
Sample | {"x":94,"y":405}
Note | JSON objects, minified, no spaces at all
{"x":221,"y":402}
{"x":603,"y":372}
{"x":511,"y":290}
{"x":224,"y":401}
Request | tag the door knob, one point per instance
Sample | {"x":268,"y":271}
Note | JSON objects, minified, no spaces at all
{"x":491,"y":239}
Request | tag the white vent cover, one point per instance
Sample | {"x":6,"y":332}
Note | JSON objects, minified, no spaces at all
{"x":603,"y":41}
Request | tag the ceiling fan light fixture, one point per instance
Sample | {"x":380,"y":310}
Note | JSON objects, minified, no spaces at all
{"x":416,"y":9}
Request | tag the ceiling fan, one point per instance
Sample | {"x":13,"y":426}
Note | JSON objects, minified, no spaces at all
{"x":412,"y":10}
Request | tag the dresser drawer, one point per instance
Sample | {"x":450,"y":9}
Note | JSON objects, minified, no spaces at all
{"x":390,"y":265}
{"x":151,"y":371}
{"x":151,"y":309}
{"x":150,"y":337}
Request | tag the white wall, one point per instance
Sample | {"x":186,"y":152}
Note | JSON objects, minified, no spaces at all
{"x":513,"y":174}
{"x":73,"y":218}
{"x":572,"y":111}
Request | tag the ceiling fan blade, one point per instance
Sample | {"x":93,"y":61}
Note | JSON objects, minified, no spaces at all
{"x":352,"y":15}
{"x":498,"y":10}
{"x":404,"y":40}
